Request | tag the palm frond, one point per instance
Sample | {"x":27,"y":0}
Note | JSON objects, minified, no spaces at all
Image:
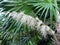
{"x":43,"y":8}
{"x":20,"y":28}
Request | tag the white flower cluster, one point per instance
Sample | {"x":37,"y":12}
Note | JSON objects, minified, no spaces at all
{"x":32,"y":22}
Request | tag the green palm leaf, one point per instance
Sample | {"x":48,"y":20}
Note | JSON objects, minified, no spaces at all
{"x":43,"y":8}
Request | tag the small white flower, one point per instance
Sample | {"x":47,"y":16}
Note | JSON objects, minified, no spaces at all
{"x":37,"y":18}
{"x":43,"y":31}
{"x":39,"y":24}
{"x":13,"y":14}
{"x":23,"y":19}
{"x":20,"y":15}
{"x":52,"y":32}
{"x":30,"y":21}
{"x":49,"y":30}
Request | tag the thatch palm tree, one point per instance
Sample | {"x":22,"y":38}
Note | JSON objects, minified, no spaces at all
{"x":21,"y":26}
